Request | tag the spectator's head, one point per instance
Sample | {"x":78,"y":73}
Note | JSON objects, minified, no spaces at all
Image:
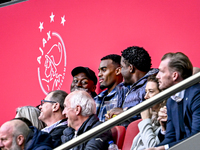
{"x":84,"y":78}
{"x":79,"y":105}
{"x":32,"y":114}
{"x":134,"y":60}
{"x":52,"y":106}
{"x":110,"y":72}
{"x":13,"y":135}
{"x":174,"y":67}
{"x":196,"y":70}
{"x":151,"y":89}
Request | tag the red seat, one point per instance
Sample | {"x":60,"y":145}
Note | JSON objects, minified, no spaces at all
{"x":118,"y":133}
{"x":131,"y":131}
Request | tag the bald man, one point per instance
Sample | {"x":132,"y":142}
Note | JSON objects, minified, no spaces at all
{"x":16,"y":135}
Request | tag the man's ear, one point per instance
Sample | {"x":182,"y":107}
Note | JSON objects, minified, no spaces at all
{"x":56,"y":107}
{"x":93,"y":88}
{"x":118,"y":71}
{"x":175,"y":76}
{"x":20,"y":140}
{"x":78,"y":110}
{"x":132,"y":68}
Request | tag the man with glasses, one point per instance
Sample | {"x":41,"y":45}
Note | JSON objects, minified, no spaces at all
{"x":51,"y":114}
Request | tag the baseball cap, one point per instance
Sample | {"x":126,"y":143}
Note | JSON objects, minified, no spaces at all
{"x":90,"y":74}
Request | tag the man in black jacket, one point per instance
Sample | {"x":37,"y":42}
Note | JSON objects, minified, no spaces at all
{"x":51,"y":113}
{"x":80,"y":109}
{"x":16,"y":135}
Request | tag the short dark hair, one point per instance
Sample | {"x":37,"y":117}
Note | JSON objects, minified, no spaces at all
{"x":59,"y":96}
{"x":114,"y":57}
{"x":179,"y":62}
{"x":138,"y":57}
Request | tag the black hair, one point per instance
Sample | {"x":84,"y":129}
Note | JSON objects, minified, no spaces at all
{"x":114,"y":57}
{"x":138,"y":57}
{"x":59,"y":96}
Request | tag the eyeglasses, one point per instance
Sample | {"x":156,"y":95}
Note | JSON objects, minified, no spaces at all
{"x":43,"y":101}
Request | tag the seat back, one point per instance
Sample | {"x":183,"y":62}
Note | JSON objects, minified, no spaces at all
{"x":131,"y":131}
{"x":118,"y":133}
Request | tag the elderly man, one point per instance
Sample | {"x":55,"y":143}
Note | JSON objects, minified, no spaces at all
{"x":183,"y":108}
{"x":84,"y":78}
{"x":80,"y":110}
{"x":16,"y":135}
{"x":51,"y":114}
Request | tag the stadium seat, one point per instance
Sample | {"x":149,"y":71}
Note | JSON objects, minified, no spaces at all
{"x":131,"y":131}
{"x":118,"y":133}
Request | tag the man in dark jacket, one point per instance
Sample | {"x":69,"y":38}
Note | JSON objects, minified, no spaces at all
{"x":80,"y":109}
{"x":135,"y":69}
{"x":15,"y":134}
{"x":51,"y":113}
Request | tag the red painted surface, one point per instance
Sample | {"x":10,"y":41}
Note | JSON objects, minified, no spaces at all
{"x":92,"y":30}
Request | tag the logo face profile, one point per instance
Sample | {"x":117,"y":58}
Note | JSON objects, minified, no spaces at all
{"x":52,"y":59}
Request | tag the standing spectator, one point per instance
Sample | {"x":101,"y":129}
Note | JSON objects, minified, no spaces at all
{"x":109,"y":77}
{"x":51,"y":113}
{"x":84,"y":78}
{"x":80,"y":109}
{"x":183,"y":108}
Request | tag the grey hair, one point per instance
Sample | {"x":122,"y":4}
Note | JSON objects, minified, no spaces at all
{"x":83,"y":99}
{"x":32,"y":114}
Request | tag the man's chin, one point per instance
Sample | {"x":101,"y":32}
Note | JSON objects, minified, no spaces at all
{"x":102,"y":87}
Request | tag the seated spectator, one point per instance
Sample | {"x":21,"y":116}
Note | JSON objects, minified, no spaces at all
{"x":109,"y":77}
{"x":135,"y":69}
{"x":80,"y":109}
{"x":32,"y":114}
{"x":84,"y":78}
{"x":183,"y":108}
{"x":51,"y":113}
{"x":149,"y":127}
{"x":16,"y":135}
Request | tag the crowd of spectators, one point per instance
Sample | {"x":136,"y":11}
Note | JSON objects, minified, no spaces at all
{"x":126,"y":81}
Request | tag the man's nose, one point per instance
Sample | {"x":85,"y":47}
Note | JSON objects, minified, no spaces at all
{"x":78,"y":84}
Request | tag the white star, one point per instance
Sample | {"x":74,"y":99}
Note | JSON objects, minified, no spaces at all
{"x":63,"y":20}
{"x":52,"y":17}
{"x":41,"y":26}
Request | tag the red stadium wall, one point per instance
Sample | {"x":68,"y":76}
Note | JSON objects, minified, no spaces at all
{"x":39,"y":50}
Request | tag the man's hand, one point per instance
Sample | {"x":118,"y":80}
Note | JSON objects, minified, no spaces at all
{"x":162,"y":117}
{"x":114,"y":111}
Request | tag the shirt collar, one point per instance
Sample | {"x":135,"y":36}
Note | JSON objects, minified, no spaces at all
{"x":178,"y":96}
{"x":49,"y":128}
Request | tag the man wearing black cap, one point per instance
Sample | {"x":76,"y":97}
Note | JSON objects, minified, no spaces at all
{"x":84,"y":78}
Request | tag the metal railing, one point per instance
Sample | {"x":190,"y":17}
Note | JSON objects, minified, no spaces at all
{"x":131,"y":112}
